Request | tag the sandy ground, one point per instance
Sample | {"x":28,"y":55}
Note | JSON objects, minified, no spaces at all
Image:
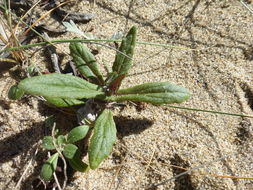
{"x":155,"y":143}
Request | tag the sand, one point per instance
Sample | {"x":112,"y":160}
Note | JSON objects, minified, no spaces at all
{"x":212,"y":57}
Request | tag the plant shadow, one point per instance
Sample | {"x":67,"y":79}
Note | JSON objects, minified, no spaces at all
{"x":4,"y":67}
{"x":127,"y":126}
{"x":20,"y":143}
{"x":23,"y":145}
{"x":19,"y":149}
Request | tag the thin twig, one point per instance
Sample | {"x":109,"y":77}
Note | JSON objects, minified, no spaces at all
{"x":116,"y":175}
{"x":42,"y":17}
{"x":57,"y":182}
{"x":115,"y":49}
{"x":148,"y":163}
{"x":210,"y":111}
{"x":91,"y":41}
{"x":27,"y":12}
{"x":187,"y":172}
{"x":13,"y":38}
{"x":29,"y":26}
{"x":62,"y":157}
{"x":246,"y":6}
{"x":18,"y":18}
{"x":53,"y":56}
{"x":26,"y":169}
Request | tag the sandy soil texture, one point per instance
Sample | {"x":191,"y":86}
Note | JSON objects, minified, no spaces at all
{"x":212,"y":56}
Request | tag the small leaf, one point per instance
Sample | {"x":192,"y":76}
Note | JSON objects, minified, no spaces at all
{"x":15,"y":93}
{"x":103,"y":139}
{"x":70,"y":151}
{"x":60,"y":102}
{"x":155,"y":93}
{"x":60,"y":140}
{"x":47,"y":143}
{"x":85,"y":61}
{"x":60,"y":86}
{"x":77,"y":164}
{"x":49,"y":167}
{"x":71,"y":27}
{"x":77,"y":133}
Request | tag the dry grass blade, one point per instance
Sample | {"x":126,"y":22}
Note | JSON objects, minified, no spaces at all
{"x":8,"y":38}
{"x":215,"y":175}
{"x":21,"y":19}
{"x":44,"y":15}
{"x":3,"y":37}
{"x":8,"y":34}
{"x":6,"y":60}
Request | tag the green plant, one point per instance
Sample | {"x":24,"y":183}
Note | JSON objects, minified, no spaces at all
{"x":64,"y":90}
{"x":64,"y":145}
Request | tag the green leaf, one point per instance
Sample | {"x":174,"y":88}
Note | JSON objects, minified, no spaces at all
{"x":103,"y":139}
{"x":60,"y":86}
{"x":155,"y":93}
{"x":60,"y":102}
{"x":60,"y":140}
{"x":85,"y":61}
{"x":15,"y":93}
{"x":123,"y":60}
{"x":70,"y":151}
{"x":47,"y":143}
{"x":49,"y":167}
{"x":77,"y":164}
{"x":77,"y":133}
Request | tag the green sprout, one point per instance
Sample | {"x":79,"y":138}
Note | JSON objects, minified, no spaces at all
{"x":64,"y":90}
{"x":65,"y":145}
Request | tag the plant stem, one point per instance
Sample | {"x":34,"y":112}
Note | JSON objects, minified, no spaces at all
{"x":211,"y":111}
{"x":88,"y":41}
